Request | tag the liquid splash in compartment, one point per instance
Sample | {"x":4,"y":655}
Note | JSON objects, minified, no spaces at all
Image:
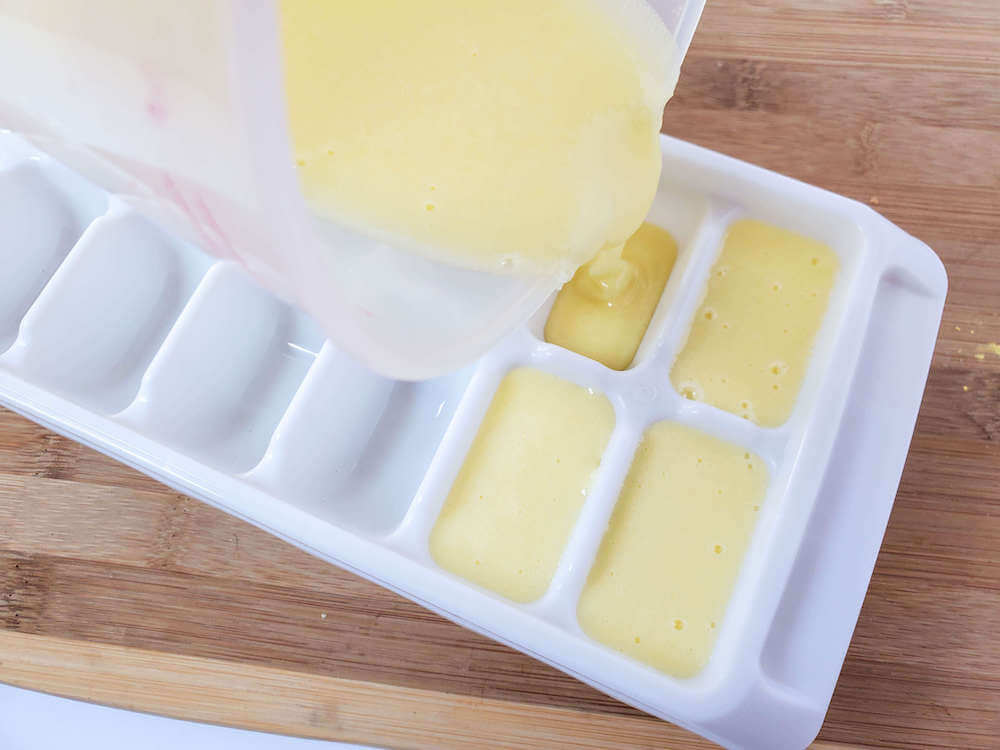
{"x":604,"y":310}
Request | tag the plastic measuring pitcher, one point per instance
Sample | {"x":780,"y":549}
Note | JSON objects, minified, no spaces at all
{"x":178,"y":108}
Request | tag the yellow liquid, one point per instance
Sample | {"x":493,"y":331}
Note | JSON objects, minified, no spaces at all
{"x":510,"y":511}
{"x":666,"y":567}
{"x":750,"y":342}
{"x":517,"y":135}
{"x":604,"y":310}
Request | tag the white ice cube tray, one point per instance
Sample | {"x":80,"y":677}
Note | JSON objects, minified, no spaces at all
{"x":117,"y":335}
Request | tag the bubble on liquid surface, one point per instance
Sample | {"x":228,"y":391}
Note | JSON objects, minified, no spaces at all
{"x":690,"y":391}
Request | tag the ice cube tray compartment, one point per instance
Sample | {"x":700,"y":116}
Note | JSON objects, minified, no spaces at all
{"x":311,"y":449}
{"x":226,"y":372}
{"x":353,"y":446}
{"x":94,"y":329}
{"x":199,"y":378}
{"x":43,"y":211}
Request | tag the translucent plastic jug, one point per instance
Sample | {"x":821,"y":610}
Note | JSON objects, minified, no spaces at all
{"x":178,"y":108}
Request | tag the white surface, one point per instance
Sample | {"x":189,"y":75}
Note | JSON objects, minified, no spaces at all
{"x":35,"y":721}
{"x":178,"y":109}
{"x":236,"y":409}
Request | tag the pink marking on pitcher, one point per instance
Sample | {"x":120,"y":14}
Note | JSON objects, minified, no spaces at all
{"x":156,"y":100}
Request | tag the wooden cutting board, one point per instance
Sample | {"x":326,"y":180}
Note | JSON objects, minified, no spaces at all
{"x":116,"y":589}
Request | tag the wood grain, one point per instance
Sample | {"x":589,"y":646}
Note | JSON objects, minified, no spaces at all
{"x":275,"y":700}
{"x":116,"y":589}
